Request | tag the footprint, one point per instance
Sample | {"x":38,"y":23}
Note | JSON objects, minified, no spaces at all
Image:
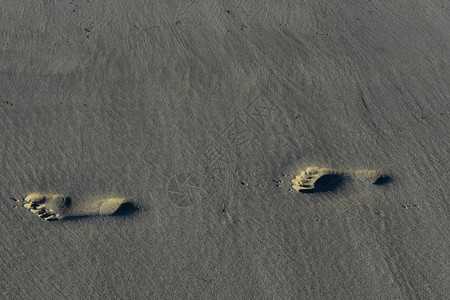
{"x":315,"y":179}
{"x":53,"y":207}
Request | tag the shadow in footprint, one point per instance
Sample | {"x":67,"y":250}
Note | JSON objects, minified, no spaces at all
{"x":125,"y":209}
{"x":326,"y":183}
{"x":383,"y":180}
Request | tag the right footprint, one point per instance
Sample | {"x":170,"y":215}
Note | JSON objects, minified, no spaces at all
{"x":53,"y":207}
{"x":315,"y":179}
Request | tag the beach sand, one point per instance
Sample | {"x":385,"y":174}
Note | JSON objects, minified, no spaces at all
{"x":202,"y":113}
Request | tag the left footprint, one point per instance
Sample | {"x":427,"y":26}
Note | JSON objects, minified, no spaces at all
{"x":53,"y":207}
{"x":308,"y":180}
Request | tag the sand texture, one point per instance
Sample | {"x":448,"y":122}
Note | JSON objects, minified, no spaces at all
{"x":196,"y":118}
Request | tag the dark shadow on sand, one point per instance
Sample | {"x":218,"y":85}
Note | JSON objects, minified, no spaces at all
{"x":326,"y":183}
{"x":125,"y":209}
{"x":383,"y":180}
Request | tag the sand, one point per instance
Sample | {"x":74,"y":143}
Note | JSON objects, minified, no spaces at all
{"x":201,"y":113}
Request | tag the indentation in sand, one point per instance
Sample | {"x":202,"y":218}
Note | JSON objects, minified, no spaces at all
{"x":57,"y":206}
{"x":307,"y":180}
{"x":369,"y":176}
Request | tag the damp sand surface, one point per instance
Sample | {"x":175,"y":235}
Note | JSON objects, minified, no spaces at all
{"x":202,"y":114}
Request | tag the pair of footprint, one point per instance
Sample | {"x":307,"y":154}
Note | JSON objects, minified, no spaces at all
{"x":53,"y":207}
{"x":57,"y":206}
{"x":308,"y":180}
